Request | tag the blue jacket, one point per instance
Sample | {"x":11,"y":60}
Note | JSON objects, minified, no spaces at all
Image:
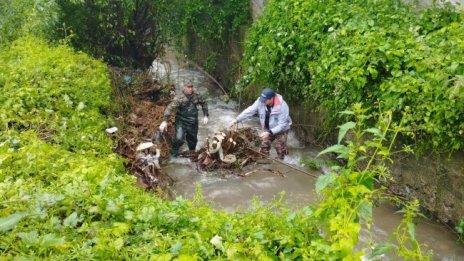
{"x":279,"y":119}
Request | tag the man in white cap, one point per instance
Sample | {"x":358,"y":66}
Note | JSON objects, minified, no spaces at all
{"x":186,"y":123}
{"x":275,"y":121}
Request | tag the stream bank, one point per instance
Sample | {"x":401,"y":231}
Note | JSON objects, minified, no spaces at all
{"x":224,"y":190}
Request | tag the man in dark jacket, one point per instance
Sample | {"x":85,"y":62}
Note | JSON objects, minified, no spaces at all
{"x":186,"y":123}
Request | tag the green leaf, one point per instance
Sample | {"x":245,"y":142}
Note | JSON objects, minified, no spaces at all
{"x":31,"y":238}
{"x":51,"y":240}
{"x":347,"y":112}
{"x":162,"y":257}
{"x":375,"y":131}
{"x":365,"y":210}
{"x":323,"y":181}
{"x":381,"y":249}
{"x":49,"y":199}
{"x":112,"y":207}
{"x":119,"y":243}
{"x":412,"y":230}
{"x":258,"y":235}
{"x":344,"y":128}
{"x":71,"y":220}
{"x":308,"y":211}
{"x":338,"y":148}
{"x":176,"y":248}
{"x":217,"y":242}
{"x":10,"y":222}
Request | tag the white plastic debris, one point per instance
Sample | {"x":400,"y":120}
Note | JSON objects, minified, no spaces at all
{"x":217,"y":242}
{"x":111,"y":130}
{"x":150,"y":160}
{"x":161,"y":71}
{"x":229,"y":158}
{"x":145,"y":145}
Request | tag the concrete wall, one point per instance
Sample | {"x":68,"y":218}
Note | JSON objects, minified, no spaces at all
{"x":436,"y":180}
{"x":256,"y":7}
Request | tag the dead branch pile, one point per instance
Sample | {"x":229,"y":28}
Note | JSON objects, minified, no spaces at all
{"x":227,"y":150}
{"x":139,"y":120}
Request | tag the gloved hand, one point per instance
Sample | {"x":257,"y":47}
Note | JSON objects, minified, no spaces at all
{"x":264,"y":135}
{"x":163,"y":126}
{"x":232,"y":124}
{"x":205,"y":120}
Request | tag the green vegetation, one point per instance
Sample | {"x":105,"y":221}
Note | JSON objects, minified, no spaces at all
{"x":460,"y":229}
{"x":22,"y":17}
{"x":383,"y":54}
{"x":128,"y":32}
{"x":56,"y":93}
{"x":208,"y":20}
{"x":134,"y":32}
{"x":65,"y":195}
{"x":311,"y":164}
{"x":203,"y":27}
{"x":349,"y":193}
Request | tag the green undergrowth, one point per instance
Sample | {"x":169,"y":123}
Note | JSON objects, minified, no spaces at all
{"x":65,"y":195}
{"x":387,"y":55}
{"x":59,"y":94}
{"x":23,"y":17}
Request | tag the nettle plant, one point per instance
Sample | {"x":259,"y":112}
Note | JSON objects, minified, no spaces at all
{"x":329,"y":55}
{"x":348,"y":192}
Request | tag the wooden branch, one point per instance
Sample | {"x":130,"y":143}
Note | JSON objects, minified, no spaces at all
{"x":261,"y":169}
{"x":209,"y":76}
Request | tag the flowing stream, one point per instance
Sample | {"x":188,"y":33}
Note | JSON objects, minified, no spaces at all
{"x":231,"y":192}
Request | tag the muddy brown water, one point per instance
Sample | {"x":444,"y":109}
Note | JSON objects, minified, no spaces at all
{"x":230,"y":192}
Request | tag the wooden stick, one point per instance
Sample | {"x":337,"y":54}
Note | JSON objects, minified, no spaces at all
{"x":261,"y":169}
{"x":283,"y":163}
{"x":209,"y":76}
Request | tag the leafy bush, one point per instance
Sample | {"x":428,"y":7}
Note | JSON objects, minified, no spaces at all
{"x":331,"y":54}
{"x":56,"y":92}
{"x":22,"y":17}
{"x":125,"y":32}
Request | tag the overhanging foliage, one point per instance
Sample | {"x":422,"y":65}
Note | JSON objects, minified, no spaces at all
{"x":384,"y":54}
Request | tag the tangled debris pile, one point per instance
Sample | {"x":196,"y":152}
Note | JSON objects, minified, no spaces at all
{"x":142,"y":103}
{"x":227,"y":150}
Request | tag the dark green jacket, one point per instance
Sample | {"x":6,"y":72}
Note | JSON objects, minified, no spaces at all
{"x":186,"y":108}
